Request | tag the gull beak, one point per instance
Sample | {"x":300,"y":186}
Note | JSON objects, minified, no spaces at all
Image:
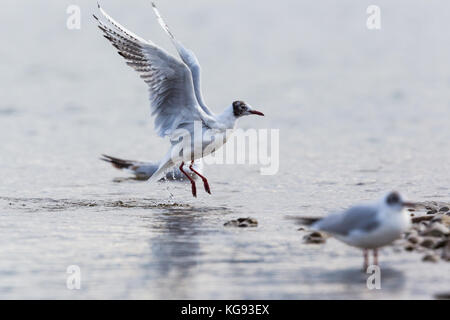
{"x":410,"y":204}
{"x":256,"y":112}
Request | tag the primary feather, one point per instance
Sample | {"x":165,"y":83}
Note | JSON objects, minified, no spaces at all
{"x":172,"y":97}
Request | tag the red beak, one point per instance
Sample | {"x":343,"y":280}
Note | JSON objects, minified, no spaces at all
{"x":256,"y":112}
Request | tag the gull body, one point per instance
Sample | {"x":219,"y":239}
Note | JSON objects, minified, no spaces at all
{"x":176,"y":99}
{"x":143,"y":170}
{"x":369,"y":226}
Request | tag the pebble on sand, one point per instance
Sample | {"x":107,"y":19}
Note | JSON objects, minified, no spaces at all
{"x":314,"y":238}
{"x":430,"y":233}
{"x":436,"y":229}
{"x":427,"y":243}
{"x":430,"y":258}
{"x":242,"y":223}
{"x":413,"y":239}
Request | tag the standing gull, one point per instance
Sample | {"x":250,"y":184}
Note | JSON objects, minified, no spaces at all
{"x":369,"y":226}
{"x":175,"y":98}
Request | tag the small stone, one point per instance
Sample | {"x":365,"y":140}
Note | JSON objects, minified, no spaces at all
{"x":432,"y":211}
{"x":444,"y":209}
{"x":421,"y":218}
{"x":252,"y":222}
{"x":242,"y":223}
{"x":440,"y":244}
{"x":430,"y":258}
{"x":314,"y":238}
{"x":410,"y":247}
{"x":301,"y":229}
{"x":427,"y":243}
{"x":413,"y":239}
{"x":231,"y":223}
{"x":316,"y":234}
{"x":436,"y":230}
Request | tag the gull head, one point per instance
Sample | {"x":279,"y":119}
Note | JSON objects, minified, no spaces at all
{"x":395,"y":201}
{"x":240,"y":108}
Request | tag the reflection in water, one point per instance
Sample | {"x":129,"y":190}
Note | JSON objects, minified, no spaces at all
{"x":391,"y":279}
{"x":352,"y":282}
{"x":175,"y":249}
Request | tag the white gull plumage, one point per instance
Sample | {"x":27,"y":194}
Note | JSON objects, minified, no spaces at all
{"x":369,"y":226}
{"x":175,"y":97}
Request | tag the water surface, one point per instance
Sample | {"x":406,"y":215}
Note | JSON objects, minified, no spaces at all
{"x":360,"y":112}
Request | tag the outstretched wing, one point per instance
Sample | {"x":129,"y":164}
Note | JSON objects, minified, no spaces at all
{"x":358,"y":218}
{"x":172,"y":96}
{"x":188,"y":58}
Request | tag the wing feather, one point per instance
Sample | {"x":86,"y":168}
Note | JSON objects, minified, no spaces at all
{"x":172,"y":96}
{"x":358,"y":218}
{"x":188,"y":58}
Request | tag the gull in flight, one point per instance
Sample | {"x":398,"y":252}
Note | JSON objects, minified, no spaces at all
{"x":175,"y":98}
{"x":369,"y":226}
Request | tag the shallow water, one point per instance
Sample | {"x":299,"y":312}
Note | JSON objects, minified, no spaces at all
{"x":360,"y":112}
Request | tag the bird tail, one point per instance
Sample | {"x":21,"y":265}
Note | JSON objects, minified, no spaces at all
{"x":141,"y":170}
{"x":306,"y":221}
{"x":310,"y":221}
{"x":118,"y":163}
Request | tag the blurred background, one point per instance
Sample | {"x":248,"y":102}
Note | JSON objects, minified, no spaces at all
{"x":360,"y":112}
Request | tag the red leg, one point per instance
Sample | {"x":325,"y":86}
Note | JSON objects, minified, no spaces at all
{"x":194,"y":188}
{"x":366,"y":259}
{"x":375,"y":257}
{"x":205,"y":181}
